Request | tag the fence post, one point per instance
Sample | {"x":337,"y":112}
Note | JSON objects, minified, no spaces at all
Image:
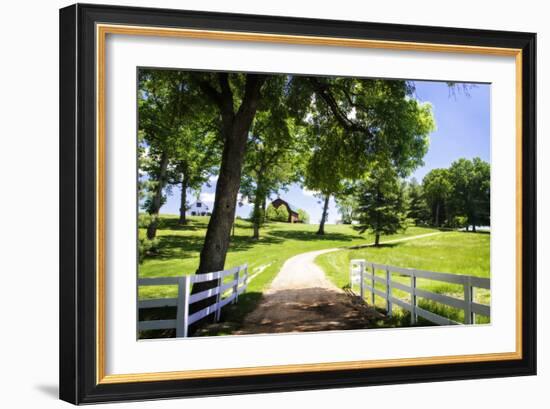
{"x":182,"y":314}
{"x":414,"y":317}
{"x":236,"y":285}
{"x":388,"y":292}
{"x":218,"y":311}
{"x":245,"y":281}
{"x":351,"y":273}
{"x":373,"y":283}
{"x":362,"y":278}
{"x":468,"y":299}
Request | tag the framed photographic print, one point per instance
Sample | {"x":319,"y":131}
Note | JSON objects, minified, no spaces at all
{"x":258,"y":203}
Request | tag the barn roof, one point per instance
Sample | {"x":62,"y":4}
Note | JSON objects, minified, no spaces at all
{"x":292,"y":208}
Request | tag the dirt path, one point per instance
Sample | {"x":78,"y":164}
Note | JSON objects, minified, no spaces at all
{"x":301,"y":299}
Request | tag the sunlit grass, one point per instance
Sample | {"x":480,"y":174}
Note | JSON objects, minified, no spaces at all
{"x":180,"y":245}
{"x":179,"y":248}
{"x":447,"y":252}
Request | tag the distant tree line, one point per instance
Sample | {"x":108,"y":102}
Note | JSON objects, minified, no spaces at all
{"x":456,"y":197}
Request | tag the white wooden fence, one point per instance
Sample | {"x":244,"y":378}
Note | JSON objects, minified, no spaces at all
{"x":225,"y":292}
{"x":362,"y":273}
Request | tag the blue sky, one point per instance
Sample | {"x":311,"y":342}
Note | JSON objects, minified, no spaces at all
{"x":463,"y":131}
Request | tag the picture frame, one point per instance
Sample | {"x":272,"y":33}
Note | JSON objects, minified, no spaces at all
{"x":83,"y":32}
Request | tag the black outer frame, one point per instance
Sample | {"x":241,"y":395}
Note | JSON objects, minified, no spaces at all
{"x":78,"y":209}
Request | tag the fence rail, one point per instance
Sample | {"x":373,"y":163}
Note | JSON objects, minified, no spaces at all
{"x":225,"y":293}
{"x":363,"y":272}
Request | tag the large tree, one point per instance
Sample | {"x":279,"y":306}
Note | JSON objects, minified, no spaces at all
{"x":352,"y":122}
{"x":236,"y":98}
{"x":326,"y":171}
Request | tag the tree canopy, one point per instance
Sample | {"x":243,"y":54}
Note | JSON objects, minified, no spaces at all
{"x":373,"y":121}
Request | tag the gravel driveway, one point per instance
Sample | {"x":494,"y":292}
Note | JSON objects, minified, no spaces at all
{"x":301,"y":298}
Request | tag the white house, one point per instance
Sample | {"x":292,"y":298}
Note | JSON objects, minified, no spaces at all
{"x":199,"y":209}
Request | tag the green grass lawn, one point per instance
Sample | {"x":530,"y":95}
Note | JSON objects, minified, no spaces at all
{"x":447,"y":252}
{"x":179,"y":248}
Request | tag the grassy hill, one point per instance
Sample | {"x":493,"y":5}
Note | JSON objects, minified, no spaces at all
{"x":179,"y":249}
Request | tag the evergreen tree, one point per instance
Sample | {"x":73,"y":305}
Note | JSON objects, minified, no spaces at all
{"x":381,"y":202}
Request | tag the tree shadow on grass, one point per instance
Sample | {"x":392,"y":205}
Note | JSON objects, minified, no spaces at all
{"x":177,"y":246}
{"x":476,"y":232}
{"x":311,"y":236}
{"x":174,"y":246}
{"x":380,"y":246}
{"x":308,"y":309}
{"x":173,"y":224}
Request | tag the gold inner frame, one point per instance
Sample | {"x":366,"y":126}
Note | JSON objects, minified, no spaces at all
{"x":101,"y":33}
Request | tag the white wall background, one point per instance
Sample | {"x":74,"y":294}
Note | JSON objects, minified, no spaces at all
{"x":29,"y":201}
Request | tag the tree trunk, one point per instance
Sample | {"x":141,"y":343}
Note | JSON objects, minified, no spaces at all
{"x":257,"y":216}
{"x":437,"y":214}
{"x":259,"y":197}
{"x":256,"y":222}
{"x":235,"y":128}
{"x":264,"y":208}
{"x":324,"y":217}
{"x":157,"y":198}
{"x":216,"y":242}
{"x":379,"y":201}
{"x":183,"y":201}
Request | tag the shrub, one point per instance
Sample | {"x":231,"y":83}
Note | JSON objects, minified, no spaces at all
{"x":458,"y":222}
{"x":279,"y":214}
{"x":303,"y":216}
{"x":147,"y":248}
{"x":145,"y":219}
